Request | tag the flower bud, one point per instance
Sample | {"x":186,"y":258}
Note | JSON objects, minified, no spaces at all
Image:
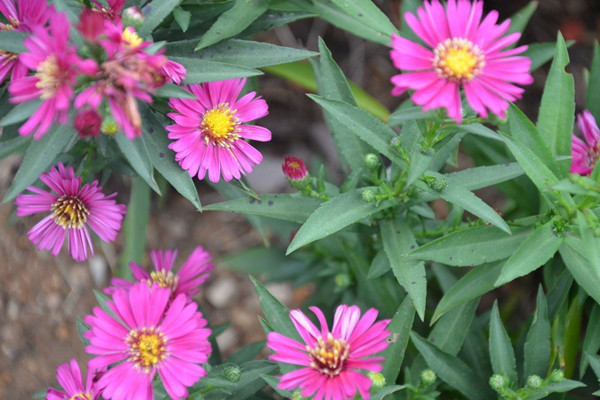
{"x":233,"y":373}
{"x":428,"y":377}
{"x":378,"y":381}
{"x":396,"y":143}
{"x":91,"y":24}
{"x":436,"y":183}
{"x":342,"y":280}
{"x":109,"y":126}
{"x":132,"y":16}
{"x":371,"y":161}
{"x":556,"y":376}
{"x":295,"y":171}
{"x":368,"y":196}
{"x":534,"y":381}
{"x":498,"y":382}
{"x":87,"y":123}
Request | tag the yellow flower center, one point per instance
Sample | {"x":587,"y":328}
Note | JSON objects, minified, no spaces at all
{"x":219,"y":125}
{"x":458,"y":60}
{"x":146,"y":348}
{"x":131,"y":38}
{"x":81,"y":396}
{"x":164,"y":279}
{"x":69,"y":212}
{"x":49,"y":79}
{"x":328,"y":356}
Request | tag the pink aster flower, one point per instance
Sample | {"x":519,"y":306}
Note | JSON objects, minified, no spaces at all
{"x":192,"y":274}
{"x":147,"y":335}
{"x":332,"y":361}
{"x":584,"y":154}
{"x":461,"y":50}
{"x":209,"y":132}
{"x":69,"y":377}
{"x":72,"y":208}
{"x":56,"y":66}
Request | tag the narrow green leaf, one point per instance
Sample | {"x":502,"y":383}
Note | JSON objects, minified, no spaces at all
{"x":592,"y":99}
{"x":532,"y":253}
{"x":472,"y":246}
{"x":540,"y":53}
{"x":379,"y":266}
{"x":163,"y":159}
{"x":82,"y":327}
{"x":288,"y":207}
{"x":398,"y":239}
{"x":332,"y":84}
{"x":272,"y":19}
{"x":170,"y":90}
{"x":419,"y":163}
{"x":12,"y":41}
{"x":182,"y":17}
{"x":367,"y":13}
{"x":410,"y":113}
{"x":579,"y":266}
{"x":502,"y":354}
{"x":233,"y":21}
{"x":555,"y":120}
{"x":452,"y":370}
{"x":134,"y":226}
{"x":399,"y":328}
{"x":102,"y":299}
{"x":20,"y":112}
{"x":32,"y":166}
{"x":591,"y":343}
{"x":371,"y":130}
{"x":537,"y":346}
{"x":14,"y":145}
{"x":199,"y":71}
{"x":519,"y":20}
{"x":450,"y":331}
{"x":333,"y":216}
{"x":477,"y":282}
{"x":480,"y":177}
{"x":154,"y":13}
{"x":590,"y":242}
{"x":136,"y":154}
{"x":409,"y":6}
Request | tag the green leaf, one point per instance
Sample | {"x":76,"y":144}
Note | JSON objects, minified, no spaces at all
{"x":233,"y":21}
{"x":367,"y":13}
{"x":288,"y":207}
{"x":410,"y":113}
{"x":590,"y":242}
{"x":480,"y":177}
{"x":472,"y":246}
{"x":502,"y":354}
{"x":519,"y":20}
{"x":182,"y":17}
{"x":333,"y":216}
{"x":33,"y":164}
{"x":20,"y":112}
{"x":591,"y":343}
{"x":136,"y":154}
{"x":399,"y":328}
{"x":82,"y":327}
{"x":557,"y":110}
{"x":163,"y":159}
{"x":370,"y":129}
{"x":450,"y":331}
{"x":477,"y":282}
{"x":332,"y":84}
{"x":14,"y":145}
{"x":579,"y":266}
{"x":247,"y":353}
{"x":379,"y":266}
{"x":592,"y":99}
{"x":273,"y":19}
{"x":134,"y":227}
{"x":154,"y":13}
{"x":532,"y":253}
{"x":199,"y":71}
{"x":12,"y":41}
{"x":102,"y":299}
{"x":170,"y":90}
{"x":537,"y":346}
{"x":240,"y":53}
{"x":452,"y":370}
{"x":398,"y":239}
{"x":540,"y":53}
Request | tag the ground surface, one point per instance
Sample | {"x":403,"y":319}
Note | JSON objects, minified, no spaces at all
{"x":41,"y":296}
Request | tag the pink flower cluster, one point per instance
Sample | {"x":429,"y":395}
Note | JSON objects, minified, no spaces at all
{"x":150,"y":327}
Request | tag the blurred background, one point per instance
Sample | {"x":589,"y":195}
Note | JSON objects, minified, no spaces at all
{"x":41,"y":296}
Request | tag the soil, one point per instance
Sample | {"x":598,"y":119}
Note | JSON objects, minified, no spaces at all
{"x":41,"y":296}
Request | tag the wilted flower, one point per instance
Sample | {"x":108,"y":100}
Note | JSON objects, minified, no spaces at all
{"x":584,"y":154}
{"x":56,"y":65}
{"x":192,"y":274}
{"x":147,"y":334}
{"x":72,"y":208}
{"x":462,"y":50}
{"x":69,"y":377}
{"x":332,"y":360}
{"x":209,"y":132}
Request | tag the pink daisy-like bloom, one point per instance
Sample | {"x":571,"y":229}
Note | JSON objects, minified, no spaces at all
{"x":72,"y":208}
{"x":332,"y":361}
{"x":22,"y":16}
{"x":584,"y":154}
{"x":56,"y":66}
{"x":192,"y":274}
{"x":462,"y":50}
{"x":147,"y":334}
{"x":209,"y":132}
{"x":69,"y":377}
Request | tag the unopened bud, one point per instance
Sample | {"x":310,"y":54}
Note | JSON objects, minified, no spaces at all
{"x":436,"y":183}
{"x":534,"y":381}
{"x":378,"y":381}
{"x":233,"y":373}
{"x":371,"y":161}
{"x":109,"y":126}
{"x":132,"y":16}
{"x":428,"y":377}
{"x":342,"y":280}
{"x":87,"y":123}
{"x":498,"y":382}
{"x":396,"y":143}
{"x":556,"y":376}
{"x":368,"y":196}
{"x":296,"y":172}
